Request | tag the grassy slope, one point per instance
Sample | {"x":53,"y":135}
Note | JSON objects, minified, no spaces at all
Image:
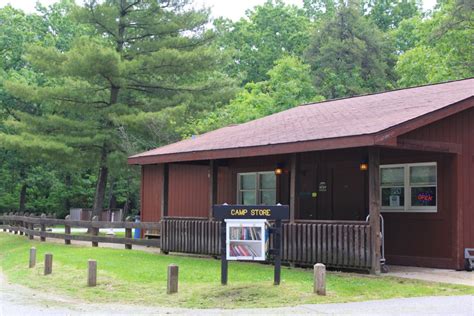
{"x":139,"y":277}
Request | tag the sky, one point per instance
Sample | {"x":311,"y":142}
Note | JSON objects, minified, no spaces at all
{"x":233,"y":9}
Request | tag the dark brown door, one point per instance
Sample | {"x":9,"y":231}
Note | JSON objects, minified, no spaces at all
{"x":348,"y":194}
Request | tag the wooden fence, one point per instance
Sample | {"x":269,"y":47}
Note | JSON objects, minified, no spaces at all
{"x":338,"y":244}
{"x":36,"y":226}
{"x":341,"y":244}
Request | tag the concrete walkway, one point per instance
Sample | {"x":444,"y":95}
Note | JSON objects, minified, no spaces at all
{"x":434,"y":275}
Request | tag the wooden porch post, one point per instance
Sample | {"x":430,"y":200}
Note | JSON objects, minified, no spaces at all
{"x":374,"y":208}
{"x":292,"y":187}
{"x":213,"y":170}
{"x":164,"y":191}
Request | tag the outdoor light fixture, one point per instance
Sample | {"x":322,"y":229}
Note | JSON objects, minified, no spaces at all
{"x":279,"y":168}
{"x":364,"y":166}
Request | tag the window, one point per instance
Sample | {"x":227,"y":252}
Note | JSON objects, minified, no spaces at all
{"x":409,"y":187}
{"x":256,"y":188}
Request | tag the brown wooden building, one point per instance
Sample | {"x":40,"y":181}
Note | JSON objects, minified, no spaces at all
{"x":406,"y":154}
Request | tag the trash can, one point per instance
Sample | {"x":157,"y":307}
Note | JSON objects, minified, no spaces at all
{"x":137,"y":232}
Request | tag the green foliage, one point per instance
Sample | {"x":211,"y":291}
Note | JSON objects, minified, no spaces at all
{"x":267,"y":33}
{"x":136,"y":60}
{"x":83,"y":87}
{"x":289,"y":85}
{"x":349,"y":56}
{"x":388,"y":14}
{"x":442,"y":46}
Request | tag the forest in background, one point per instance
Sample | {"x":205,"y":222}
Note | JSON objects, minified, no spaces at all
{"x":84,"y":87}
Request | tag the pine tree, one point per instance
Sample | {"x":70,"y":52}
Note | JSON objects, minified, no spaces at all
{"x":349,"y":55}
{"x":142,"y":58}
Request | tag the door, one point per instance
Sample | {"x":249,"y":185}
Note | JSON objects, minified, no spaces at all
{"x":349,"y":192}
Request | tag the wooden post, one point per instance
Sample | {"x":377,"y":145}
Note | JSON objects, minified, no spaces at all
{"x":224,"y":263}
{"x":67,"y":231}
{"x":293,"y":187}
{"x":164,"y":191}
{"x":25,"y":223}
{"x":213,"y":172}
{"x":374,"y":208}
{"x":319,"y":279}
{"x":15,"y":225}
{"x":4,"y":222}
{"x":128,"y":233}
{"x":32,"y":228}
{"x":95,"y":231}
{"x":92,"y":273}
{"x":21,"y":225}
{"x":277,"y":247}
{"x":48,"y":263}
{"x":172,"y":279}
{"x":43,"y":227}
{"x":32,"y":257}
{"x":10,"y":223}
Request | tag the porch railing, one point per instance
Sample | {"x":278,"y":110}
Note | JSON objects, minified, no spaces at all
{"x":339,"y":244}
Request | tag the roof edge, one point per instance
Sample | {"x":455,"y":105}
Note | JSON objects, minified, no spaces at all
{"x":254,"y":151}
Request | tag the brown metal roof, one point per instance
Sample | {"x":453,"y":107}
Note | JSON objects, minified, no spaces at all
{"x":350,"y":122}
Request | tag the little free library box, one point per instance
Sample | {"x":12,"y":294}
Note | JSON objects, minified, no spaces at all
{"x":245,"y":234}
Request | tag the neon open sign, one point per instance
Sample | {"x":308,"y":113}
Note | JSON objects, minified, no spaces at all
{"x":425,"y":197}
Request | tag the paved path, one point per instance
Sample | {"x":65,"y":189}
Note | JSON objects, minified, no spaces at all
{"x":433,"y":275}
{"x":17,"y":300}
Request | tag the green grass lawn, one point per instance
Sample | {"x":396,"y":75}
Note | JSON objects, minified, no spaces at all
{"x":138,"y":277}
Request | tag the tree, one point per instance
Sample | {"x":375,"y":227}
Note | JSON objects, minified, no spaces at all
{"x":320,"y":9}
{"x":143,"y":57}
{"x":441,"y":46}
{"x":349,"y":56}
{"x":289,"y":85}
{"x":18,"y":30}
{"x":267,"y":33}
{"x":387,"y":14}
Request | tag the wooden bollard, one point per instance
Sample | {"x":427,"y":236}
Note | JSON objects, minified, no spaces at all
{"x":32,"y":257}
{"x":92,"y":273}
{"x":48,"y":263}
{"x":320,"y":279}
{"x":67,"y":231}
{"x":172,"y":279}
{"x":95,"y":232}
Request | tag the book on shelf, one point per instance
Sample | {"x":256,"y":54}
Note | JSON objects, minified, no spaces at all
{"x":242,"y":251}
{"x":245,"y":233}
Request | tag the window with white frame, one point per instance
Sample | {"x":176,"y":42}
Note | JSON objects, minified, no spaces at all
{"x":256,"y":188}
{"x":409,"y":187}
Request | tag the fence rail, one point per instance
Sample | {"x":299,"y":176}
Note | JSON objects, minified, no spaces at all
{"x":336,"y":244}
{"x":21,"y":224}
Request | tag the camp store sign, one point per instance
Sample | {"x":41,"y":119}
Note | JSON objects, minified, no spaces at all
{"x":269,"y":212}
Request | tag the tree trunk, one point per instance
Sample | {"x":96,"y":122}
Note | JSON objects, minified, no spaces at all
{"x":22,"y":206}
{"x":101,"y":185}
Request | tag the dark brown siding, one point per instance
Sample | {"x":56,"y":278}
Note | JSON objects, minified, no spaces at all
{"x":424,"y":239}
{"x":188,"y":190}
{"x":459,"y":129}
{"x":227,"y":179}
{"x":152,"y":177}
